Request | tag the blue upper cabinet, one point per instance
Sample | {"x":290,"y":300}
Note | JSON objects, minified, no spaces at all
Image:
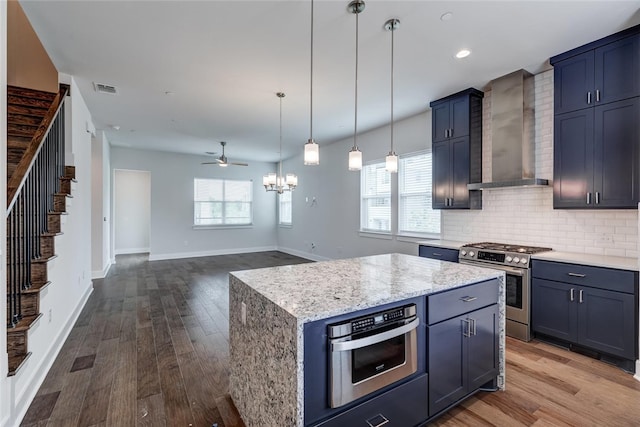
{"x":596,"y":135}
{"x":457,"y":150}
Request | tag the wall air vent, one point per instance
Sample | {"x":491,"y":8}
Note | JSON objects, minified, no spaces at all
{"x":103,"y":88}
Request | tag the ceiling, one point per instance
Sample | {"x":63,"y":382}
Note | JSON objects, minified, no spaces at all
{"x":192,"y":73}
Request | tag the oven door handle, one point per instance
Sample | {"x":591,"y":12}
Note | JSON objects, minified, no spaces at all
{"x":375,"y":339}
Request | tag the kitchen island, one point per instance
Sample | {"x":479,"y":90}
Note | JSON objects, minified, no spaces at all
{"x":272,"y":311}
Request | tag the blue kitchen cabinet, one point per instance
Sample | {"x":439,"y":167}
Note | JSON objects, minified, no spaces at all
{"x":596,"y":157}
{"x":591,"y":307}
{"x":463,"y":349}
{"x":457,"y":150}
{"x":596,"y":136}
{"x":436,"y":252}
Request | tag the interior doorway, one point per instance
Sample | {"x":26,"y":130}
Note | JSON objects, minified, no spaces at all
{"x":132,"y":211}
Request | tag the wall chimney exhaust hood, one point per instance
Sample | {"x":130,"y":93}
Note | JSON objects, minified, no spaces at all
{"x":512,"y":133}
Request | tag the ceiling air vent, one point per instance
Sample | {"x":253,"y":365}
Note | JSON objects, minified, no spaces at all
{"x":102,"y":88}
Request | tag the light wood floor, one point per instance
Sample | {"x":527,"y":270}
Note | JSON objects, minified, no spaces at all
{"x":151,"y":349}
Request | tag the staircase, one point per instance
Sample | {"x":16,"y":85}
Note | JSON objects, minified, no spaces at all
{"x":38,"y":184}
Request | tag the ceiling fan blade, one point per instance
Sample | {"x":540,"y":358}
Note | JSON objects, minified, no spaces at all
{"x":212,"y":153}
{"x":210,"y":163}
{"x":239,"y":164}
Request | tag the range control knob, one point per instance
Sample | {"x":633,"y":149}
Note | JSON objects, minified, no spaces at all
{"x":516,"y":260}
{"x":471,"y":253}
{"x":523,"y":261}
{"x":463,"y":252}
{"x":509,"y":259}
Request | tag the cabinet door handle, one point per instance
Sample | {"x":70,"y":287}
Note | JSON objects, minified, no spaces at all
{"x":466,"y":329}
{"x":446,"y":133}
{"x":468,"y":299}
{"x":377,"y":421}
{"x":450,"y":133}
{"x":572,"y":294}
{"x":473,"y":327}
{"x":576,"y":275}
{"x":589,"y":97}
{"x":436,"y":254}
{"x":597,"y":197}
{"x":588,"y":198}
{"x":580,"y":296}
{"x":597,"y":95}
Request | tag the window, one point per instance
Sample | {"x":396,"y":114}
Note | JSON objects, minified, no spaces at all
{"x":415,"y":215}
{"x":220,"y":202}
{"x":285,"y":208}
{"x":375,"y":198}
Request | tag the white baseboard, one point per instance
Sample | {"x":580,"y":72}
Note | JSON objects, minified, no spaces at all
{"x":637,"y":375}
{"x":180,"y":255}
{"x":101,"y":274}
{"x":23,"y":402}
{"x":129,"y":251}
{"x":306,"y":255}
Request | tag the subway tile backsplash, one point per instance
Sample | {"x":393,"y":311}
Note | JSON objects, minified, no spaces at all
{"x":526,"y":215}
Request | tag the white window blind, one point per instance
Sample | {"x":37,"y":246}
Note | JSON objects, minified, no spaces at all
{"x":222,"y":202}
{"x":285,"y":216}
{"x":415,"y":215}
{"x":375,"y":193}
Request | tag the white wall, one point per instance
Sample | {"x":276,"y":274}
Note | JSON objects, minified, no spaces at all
{"x":5,"y":390}
{"x":526,"y":215}
{"x":332,"y":223}
{"x":100,"y":206}
{"x":172,"y":233}
{"x":132,"y":211}
{"x":69,"y":273}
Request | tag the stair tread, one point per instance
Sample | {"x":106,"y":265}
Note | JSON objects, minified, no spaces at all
{"x":30,"y":93}
{"x":16,"y":362}
{"x":27,"y":111}
{"x":58,"y":213}
{"x":47,"y":234}
{"x":21,"y":130}
{"x":228,"y":412}
{"x":43,"y":260}
{"x":22,"y":119}
{"x":28,"y":102}
{"x":18,"y":142}
{"x":68,"y":178}
{"x":69,"y":196}
{"x":24,"y":324}
{"x":36,"y":287}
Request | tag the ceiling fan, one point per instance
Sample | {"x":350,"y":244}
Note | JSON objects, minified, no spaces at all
{"x":222,"y":161}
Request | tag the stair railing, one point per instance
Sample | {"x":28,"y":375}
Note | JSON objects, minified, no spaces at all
{"x":30,"y":197}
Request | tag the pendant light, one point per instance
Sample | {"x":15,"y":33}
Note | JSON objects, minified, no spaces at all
{"x":391,"y":161}
{"x":311,"y":148}
{"x":278,"y":181}
{"x":355,"y":155}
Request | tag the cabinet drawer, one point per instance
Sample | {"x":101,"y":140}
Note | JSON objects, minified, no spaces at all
{"x":458,"y":301}
{"x":583,"y":275}
{"x":405,"y":405}
{"x":438,"y":253}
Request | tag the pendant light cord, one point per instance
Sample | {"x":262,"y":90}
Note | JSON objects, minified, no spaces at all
{"x":392,"y":44}
{"x":311,"y":85}
{"x":280,"y":96}
{"x":355,"y":124}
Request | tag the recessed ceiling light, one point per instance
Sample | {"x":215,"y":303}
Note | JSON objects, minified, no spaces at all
{"x":446,"y":16}
{"x":115,"y":127}
{"x":463,"y":53}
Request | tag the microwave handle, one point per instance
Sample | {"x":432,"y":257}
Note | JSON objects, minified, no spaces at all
{"x":374,"y":339}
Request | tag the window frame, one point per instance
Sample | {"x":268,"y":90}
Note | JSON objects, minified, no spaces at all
{"x":224,"y":204}
{"x":364,"y":198}
{"x":280,"y":222}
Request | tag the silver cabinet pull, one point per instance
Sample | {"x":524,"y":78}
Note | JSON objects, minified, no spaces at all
{"x":572,"y":294}
{"x":377,"y":421}
{"x":576,"y":275}
{"x":597,"y":95}
{"x":375,"y":339}
{"x":580,"y":296}
{"x":468,"y":299}
{"x":466,"y":331}
{"x":597,"y":197}
{"x":436,"y":254}
{"x":589,"y":97}
{"x":473,"y":326}
{"x":450,"y":133}
{"x":588,"y":198}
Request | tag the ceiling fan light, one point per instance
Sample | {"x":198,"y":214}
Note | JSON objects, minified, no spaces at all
{"x":311,"y":153}
{"x":224,"y":165}
{"x":355,"y":159}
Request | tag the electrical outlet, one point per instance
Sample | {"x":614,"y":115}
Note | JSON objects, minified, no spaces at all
{"x":313,"y":246}
{"x":243,"y":313}
{"x":50,"y":315}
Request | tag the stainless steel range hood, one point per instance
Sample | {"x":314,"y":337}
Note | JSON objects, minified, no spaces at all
{"x":512,"y":133}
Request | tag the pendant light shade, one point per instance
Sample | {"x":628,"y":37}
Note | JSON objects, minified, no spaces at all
{"x":311,"y":148}
{"x":355,"y":155}
{"x":391,"y":161}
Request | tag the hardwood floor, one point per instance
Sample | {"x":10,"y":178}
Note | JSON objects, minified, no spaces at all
{"x":151,"y":349}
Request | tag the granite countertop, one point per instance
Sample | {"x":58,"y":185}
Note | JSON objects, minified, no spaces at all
{"x":621,"y":263}
{"x":324,"y":289}
{"x":449,"y":244}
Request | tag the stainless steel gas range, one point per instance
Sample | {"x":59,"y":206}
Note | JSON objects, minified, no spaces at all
{"x":515,"y":261}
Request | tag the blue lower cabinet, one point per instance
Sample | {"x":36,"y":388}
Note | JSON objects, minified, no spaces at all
{"x":403,"y":406}
{"x":441,"y":254}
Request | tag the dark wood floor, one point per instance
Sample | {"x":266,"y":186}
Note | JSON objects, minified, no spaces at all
{"x":151,"y":349}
